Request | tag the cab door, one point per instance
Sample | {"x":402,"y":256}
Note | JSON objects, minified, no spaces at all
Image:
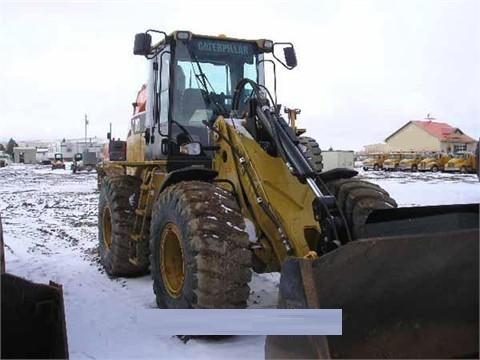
{"x":157,"y":108}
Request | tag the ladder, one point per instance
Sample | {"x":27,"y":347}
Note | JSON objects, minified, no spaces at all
{"x":138,"y":249}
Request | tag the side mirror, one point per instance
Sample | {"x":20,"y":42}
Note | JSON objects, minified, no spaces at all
{"x":290,"y":59}
{"x":290,"y":56}
{"x":143,"y":44}
{"x":109,"y":135}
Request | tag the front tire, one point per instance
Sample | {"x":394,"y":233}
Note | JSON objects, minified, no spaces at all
{"x":357,"y":199}
{"x":199,"y":254}
{"x":434,"y":168}
{"x":116,"y":215}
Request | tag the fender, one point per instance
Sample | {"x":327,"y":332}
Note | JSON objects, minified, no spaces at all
{"x":189,"y":173}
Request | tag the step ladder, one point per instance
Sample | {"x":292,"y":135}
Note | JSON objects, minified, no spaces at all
{"x":138,"y":249}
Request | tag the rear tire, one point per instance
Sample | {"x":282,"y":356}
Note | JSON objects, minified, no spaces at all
{"x":434,"y":168}
{"x":312,"y":153}
{"x":116,"y":215}
{"x":357,"y":199}
{"x":199,"y":254}
{"x":414,"y":168}
{"x":375,"y":167}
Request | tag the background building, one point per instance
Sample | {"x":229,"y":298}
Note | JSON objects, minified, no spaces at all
{"x":26,"y":155}
{"x":375,"y":148}
{"x":430,"y":135}
{"x":72,"y":146}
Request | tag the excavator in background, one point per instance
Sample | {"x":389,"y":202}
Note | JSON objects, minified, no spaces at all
{"x":225,"y":185}
{"x":33,"y":317}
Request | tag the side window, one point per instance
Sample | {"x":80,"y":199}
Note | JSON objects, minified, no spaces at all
{"x":140,"y":128}
{"x":163,"y":90}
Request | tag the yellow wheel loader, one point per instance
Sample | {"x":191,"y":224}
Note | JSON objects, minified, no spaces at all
{"x":226,"y":185}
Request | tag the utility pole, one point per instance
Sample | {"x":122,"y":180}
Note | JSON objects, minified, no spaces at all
{"x":86,"y":124}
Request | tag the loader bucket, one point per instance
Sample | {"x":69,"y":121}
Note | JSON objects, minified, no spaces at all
{"x":33,"y":320}
{"x":406,"y":296}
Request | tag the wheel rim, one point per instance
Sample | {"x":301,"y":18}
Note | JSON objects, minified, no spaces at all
{"x":171,"y":260}
{"x":107,"y":227}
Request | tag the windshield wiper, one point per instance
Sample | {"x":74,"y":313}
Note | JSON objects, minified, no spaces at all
{"x":203,"y":80}
{"x":184,"y":130}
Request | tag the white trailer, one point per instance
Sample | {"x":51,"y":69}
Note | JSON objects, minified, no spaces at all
{"x":337,"y":159}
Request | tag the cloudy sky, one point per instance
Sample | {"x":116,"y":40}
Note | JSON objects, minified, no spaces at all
{"x":365,"y":67}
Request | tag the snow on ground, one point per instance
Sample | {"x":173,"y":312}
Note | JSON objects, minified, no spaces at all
{"x":425,"y":188}
{"x":50,"y":231}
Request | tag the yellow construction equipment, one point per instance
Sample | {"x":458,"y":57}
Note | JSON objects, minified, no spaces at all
{"x":434,"y":162}
{"x":410,"y":161}
{"x":57,"y":162}
{"x":392,"y":161}
{"x":463,"y":161}
{"x":226,"y":185}
{"x":374,"y":162}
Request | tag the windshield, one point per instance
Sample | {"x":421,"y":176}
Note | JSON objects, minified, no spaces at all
{"x":409,"y":156}
{"x":206,"y":72}
{"x":394,"y":156}
{"x":58,"y":156}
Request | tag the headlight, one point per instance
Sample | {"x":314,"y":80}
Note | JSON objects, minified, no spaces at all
{"x":265,"y":45}
{"x":194,"y":148}
{"x":183,"y":35}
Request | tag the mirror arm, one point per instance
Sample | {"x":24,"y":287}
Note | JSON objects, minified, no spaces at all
{"x":276,"y":58}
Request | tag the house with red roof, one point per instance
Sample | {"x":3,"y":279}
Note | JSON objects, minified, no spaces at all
{"x":430,"y":135}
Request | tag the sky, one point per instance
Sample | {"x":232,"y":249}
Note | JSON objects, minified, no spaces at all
{"x":365,"y":67}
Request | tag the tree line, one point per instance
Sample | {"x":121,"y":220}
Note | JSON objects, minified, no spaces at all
{"x":9,"y":148}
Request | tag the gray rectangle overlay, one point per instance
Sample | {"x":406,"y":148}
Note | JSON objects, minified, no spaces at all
{"x":243,"y":321}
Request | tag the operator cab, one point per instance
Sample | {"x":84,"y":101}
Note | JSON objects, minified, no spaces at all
{"x":191,"y":82}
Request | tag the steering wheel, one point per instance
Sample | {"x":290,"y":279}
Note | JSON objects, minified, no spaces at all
{"x":240,"y":93}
